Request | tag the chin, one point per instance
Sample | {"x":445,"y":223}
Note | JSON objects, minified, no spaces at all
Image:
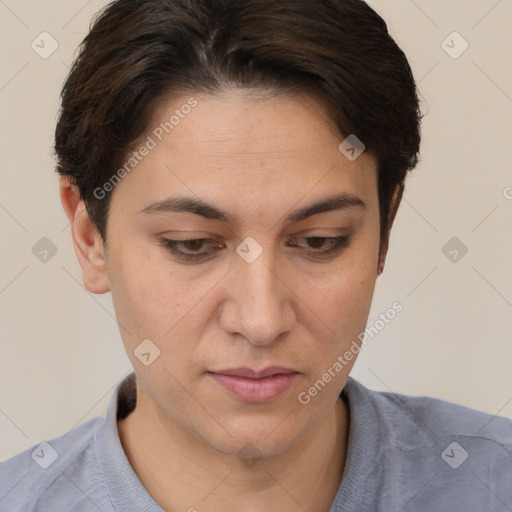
{"x":246,"y":448}
{"x":254,"y":439}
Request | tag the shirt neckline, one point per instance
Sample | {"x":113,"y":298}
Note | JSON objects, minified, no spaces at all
{"x":123,"y":485}
{"x":127,"y":492}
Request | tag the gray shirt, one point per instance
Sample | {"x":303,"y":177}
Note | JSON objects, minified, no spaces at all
{"x":407,"y":454}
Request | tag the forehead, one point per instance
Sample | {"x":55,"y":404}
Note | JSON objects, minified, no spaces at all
{"x":246,"y":123}
{"x":273,"y":148}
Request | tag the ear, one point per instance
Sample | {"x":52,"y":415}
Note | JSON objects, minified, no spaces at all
{"x":393,"y":209}
{"x":86,"y":239}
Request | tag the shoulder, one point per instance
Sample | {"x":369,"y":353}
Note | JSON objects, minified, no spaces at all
{"x":441,"y":418}
{"x":56,"y":470}
{"x":436,"y":452}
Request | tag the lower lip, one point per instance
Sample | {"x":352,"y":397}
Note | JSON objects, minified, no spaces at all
{"x":255,"y":390}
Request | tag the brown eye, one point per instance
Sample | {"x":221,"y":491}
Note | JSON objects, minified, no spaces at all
{"x":192,"y":245}
{"x":315,"y":245}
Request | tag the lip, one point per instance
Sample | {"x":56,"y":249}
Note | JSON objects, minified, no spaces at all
{"x":255,"y":386}
{"x":255,"y":374}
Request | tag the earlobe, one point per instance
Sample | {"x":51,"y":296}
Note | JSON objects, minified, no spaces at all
{"x":393,"y":209}
{"x":86,"y":239}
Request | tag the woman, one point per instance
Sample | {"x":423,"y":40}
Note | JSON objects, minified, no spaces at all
{"x":231,"y":170}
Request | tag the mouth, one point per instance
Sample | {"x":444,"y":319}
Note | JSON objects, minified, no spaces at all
{"x":255,"y":386}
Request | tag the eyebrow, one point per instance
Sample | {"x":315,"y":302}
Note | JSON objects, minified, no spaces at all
{"x":200,"y":207}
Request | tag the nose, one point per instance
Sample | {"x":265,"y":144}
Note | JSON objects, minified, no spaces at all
{"x":259,"y":306}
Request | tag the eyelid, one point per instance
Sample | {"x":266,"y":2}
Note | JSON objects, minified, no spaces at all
{"x":171,"y":244}
{"x":339,"y":243}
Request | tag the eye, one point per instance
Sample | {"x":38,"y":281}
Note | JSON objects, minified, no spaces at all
{"x":190,"y":248}
{"x":193,"y":245}
{"x":324,"y":246}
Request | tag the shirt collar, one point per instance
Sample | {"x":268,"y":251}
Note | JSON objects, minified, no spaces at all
{"x":128,"y":494}
{"x":125,"y":489}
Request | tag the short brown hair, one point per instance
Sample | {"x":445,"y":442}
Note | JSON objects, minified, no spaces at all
{"x":140,"y":51}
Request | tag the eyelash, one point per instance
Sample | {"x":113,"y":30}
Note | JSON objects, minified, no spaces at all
{"x":338,"y":243}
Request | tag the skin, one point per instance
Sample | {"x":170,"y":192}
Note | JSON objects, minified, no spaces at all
{"x":259,"y":157}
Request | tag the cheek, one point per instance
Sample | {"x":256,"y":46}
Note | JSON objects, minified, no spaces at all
{"x":343,"y":298}
{"x":155,"y":300}
{"x":351,"y":307}
{"x":143,"y":292}
{"x":343,"y":310}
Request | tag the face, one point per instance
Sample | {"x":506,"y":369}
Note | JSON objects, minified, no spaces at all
{"x":264,"y":287}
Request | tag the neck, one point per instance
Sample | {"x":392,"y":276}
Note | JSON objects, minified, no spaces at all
{"x":181,"y":472}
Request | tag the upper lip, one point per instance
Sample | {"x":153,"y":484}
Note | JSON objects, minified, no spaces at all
{"x":256,"y":374}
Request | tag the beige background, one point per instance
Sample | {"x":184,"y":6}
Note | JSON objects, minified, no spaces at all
{"x":61,"y":352}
